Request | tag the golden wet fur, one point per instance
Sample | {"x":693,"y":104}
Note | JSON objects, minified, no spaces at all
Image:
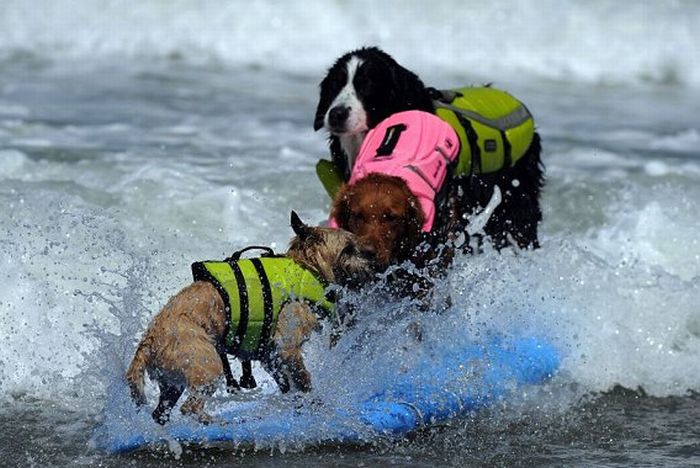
{"x":180,"y":348}
{"x":383,"y":211}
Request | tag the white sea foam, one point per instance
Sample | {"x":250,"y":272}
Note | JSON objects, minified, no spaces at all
{"x":594,"y":41}
{"x":13,"y":162}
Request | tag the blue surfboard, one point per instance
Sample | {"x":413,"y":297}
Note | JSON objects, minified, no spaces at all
{"x":453,"y":385}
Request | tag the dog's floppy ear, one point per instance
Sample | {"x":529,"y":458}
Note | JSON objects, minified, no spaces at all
{"x":340,"y":209}
{"x":324,"y":102}
{"x":320,"y":116}
{"x":408,"y":91}
{"x":413,"y":223}
{"x":416,"y":215}
{"x":298,"y":226}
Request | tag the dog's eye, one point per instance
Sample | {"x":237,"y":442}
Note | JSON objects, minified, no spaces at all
{"x":390,"y":216}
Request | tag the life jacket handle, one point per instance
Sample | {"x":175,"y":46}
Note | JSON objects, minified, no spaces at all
{"x":444,"y":95}
{"x":235,"y":256}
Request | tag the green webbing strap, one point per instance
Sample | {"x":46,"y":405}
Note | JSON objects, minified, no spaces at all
{"x":237,"y":341}
{"x":473,"y":140}
{"x":507,"y":158}
{"x":266,"y":329}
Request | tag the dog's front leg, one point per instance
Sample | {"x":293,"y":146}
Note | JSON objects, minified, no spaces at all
{"x":345,"y":318}
{"x":295,"y":323}
{"x":273,"y":365}
{"x":293,"y":364}
{"x":194,"y":404}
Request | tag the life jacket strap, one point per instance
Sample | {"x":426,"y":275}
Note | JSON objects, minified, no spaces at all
{"x":234,"y":345}
{"x":201,"y":273}
{"x":266,"y":329}
{"x":507,"y":157}
{"x":473,"y":140}
{"x":444,"y":95}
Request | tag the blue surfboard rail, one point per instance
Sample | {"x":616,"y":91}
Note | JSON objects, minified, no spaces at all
{"x":407,"y":406}
{"x":470,"y":378}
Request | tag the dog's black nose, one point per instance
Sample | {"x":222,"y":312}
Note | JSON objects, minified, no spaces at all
{"x":337,"y":116}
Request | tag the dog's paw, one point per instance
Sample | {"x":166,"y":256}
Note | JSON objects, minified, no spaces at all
{"x":248,"y":382}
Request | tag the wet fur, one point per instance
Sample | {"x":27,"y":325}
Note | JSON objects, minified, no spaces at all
{"x":181,"y":348}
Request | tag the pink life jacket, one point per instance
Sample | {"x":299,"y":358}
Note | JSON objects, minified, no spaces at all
{"x":414,"y":145}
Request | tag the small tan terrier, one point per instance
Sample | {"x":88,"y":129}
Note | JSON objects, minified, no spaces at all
{"x":255,"y":309}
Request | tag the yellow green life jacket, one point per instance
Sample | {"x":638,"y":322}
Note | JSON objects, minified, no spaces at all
{"x":254,"y":291}
{"x":495,"y":129}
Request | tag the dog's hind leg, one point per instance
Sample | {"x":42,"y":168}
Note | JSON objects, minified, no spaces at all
{"x":202,"y":367}
{"x":169,"y":394}
{"x":247,"y":379}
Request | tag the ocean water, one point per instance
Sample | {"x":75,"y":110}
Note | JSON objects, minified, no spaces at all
{"x":137,"y":137}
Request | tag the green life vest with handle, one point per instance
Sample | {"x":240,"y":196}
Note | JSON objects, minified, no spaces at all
{"x":254,"y":291}
{"x":495,"y":130}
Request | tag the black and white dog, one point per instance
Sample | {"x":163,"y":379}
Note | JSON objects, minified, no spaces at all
{"x":365,"y":86}
{"x":361,"y":89}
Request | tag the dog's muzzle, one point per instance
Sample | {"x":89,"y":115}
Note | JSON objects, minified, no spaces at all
{"x":337,"y":118}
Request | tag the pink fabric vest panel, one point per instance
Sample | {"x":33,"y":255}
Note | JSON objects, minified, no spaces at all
{"x":414,"y":145}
